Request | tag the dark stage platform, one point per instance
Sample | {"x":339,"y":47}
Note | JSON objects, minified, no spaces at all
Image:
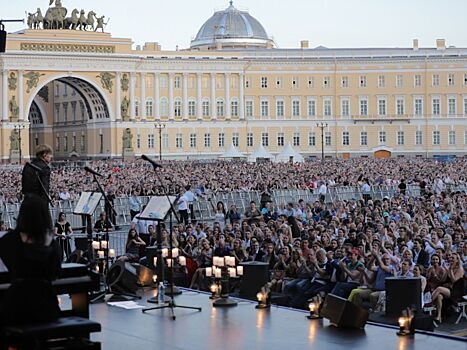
{"x":242,"y":327}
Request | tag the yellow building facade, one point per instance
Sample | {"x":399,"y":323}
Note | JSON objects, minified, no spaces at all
{"x":90,"y":95}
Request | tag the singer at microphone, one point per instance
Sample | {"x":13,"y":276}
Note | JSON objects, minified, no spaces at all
{"x":35,"y":178}
{"x":153,"y":163}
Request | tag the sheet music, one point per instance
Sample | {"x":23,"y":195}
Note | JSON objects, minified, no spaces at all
{"x":157,"y":208}
{"x":88,"y":203}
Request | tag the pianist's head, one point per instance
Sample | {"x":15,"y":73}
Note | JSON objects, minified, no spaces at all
{"x":34,"y":219}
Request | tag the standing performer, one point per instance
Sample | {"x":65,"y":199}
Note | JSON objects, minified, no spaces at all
{"x":37,"y":172}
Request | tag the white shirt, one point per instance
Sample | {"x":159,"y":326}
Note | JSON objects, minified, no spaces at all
{"x":183,"y":203}
{"x":322,"y":189}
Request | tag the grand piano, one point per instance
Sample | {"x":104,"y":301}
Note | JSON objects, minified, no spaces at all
{"x":77,"y":280}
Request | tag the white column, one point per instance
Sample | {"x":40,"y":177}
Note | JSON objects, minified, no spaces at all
{"x":132,"y":96}
{"x":199,"y":94}
{"x":227,"y":96}
{"x":171,"y":97}
{"x":118,"y":110}
{"x":157,"y":96}
{"x":143,"y":96}
{"x":185,"y":96}
{"x":5,"y":116}
{"x":20,"y":96}
{"x":242,"y":96}
{"x":213,"y":97}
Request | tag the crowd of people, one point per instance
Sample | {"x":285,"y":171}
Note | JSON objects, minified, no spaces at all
{"x":122,"y":178}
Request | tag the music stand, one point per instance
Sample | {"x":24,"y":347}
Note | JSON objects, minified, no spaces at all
{"x":157,"y":210}
{"x":87,"y":205}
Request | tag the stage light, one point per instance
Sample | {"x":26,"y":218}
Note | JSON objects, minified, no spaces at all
{"x":154,"y":279}
{"x":263,"y":300}
{"x":112,"y":253}
{"x":405,"y":323}
{"x":215,"y":290}
{"x":314,"y":311}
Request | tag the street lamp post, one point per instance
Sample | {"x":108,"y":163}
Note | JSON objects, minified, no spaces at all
{"x":322,"y":125}
{"x":18,"y":128}
{"x":160,"y":126}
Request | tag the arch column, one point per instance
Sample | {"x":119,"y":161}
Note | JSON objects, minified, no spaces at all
{"x":199,"y":93}
{"x":20,"y":96}
{"x":242,"y":96}
{"x":157,"y":111}
{"x":213,"y":97}
{"x":143,"y":96}
{"x":118,"y":112}
{"x":185,"y":96}
{"x":5,"y":95}
{"x":132,"y":96}
{"x":171,"y":97}
{"x":228,"y":113}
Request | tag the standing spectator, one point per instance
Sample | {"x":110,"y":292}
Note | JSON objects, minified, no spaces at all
{"x":38,"y":182}
{"x":323,"y":189}
{"x":183,"y":208}
{"x":134,"y":203}
{"x":190,"y":196}
{"x":366,"y":190}
{"x":63,"y":231}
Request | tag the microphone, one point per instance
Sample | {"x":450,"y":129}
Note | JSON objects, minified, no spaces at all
{"x":35,"y":167}
{"x":89,"y":170}
{"x":153,"y":163}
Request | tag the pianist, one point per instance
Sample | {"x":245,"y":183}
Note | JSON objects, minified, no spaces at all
{"x":32,"y":258}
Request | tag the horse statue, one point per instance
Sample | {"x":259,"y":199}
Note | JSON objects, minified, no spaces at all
{"x":38,"y":19}
{"x":82,"y":21}
{"x":48,"y":20}
{"x":90,"y":19}
{"x":72,"y":22}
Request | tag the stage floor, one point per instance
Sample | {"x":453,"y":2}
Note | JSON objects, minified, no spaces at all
{"x":241,"y":327}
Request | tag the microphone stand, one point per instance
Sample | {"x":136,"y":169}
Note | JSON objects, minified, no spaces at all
{"x":171,"y":303}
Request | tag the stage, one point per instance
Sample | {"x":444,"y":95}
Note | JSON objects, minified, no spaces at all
{"x":242,"y":327}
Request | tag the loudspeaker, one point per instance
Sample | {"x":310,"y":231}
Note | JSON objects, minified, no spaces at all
{"x":122,"y":277}
{"x":255,"y":276}
{"x":402,"y":293}
{"x":77,"y":257}
{"x":2,"y":41}
{"x":144,"y":275}
{"x":342,"y":313}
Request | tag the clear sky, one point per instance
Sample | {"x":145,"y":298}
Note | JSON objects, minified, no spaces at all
{"x":330,"y":23}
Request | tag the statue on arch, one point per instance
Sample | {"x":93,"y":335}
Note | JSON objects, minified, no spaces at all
{"x":125,"y":82}
{"x":106,"y":80}
{"x":12,"y":80}
{"x":14,"y":140}
{"x":14,"y":109}
{"x":127,"y":139}
{"x":124,"y":109}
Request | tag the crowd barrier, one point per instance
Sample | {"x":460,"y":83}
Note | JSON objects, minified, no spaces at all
{"x":204,"y":207}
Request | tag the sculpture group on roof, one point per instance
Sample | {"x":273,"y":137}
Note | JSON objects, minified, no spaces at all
{"x":55,"y":18}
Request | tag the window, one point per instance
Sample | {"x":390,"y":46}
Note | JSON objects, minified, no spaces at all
{"x":234,"y":108}
{"x":136,"y":107}
{"x":151,"y":141}
{"x":382,"y":106}
{"x":465,"y":106}
{"x":327,"y":107}
{"x":364,"y":107}
{"x":326,"y":82}
{"x":435,"y":80}
{"x":362,"y":81}
{"x":191,"y":108}
{"x":436,"y":137}
{"x":57,"y":90}
{"x":451,"y":81}
{"x":249,"y":139}
{"x":296,"y":108}
{"x":280,"y":108}
{"x":177,"y":108}
{"x":65,"y":111}
{"x":280,"y":139}
{"x":247,"y":83}
{"x":436,"y":107}
{"x":165,"y":140}
{"x":312,"y":139}
{"x":193,"y":140}
{"x":400,"y":138}
{"x":163,"y":82}
{"x":311,"y":108}
{"x":264,"y":82}
{"x":264,"y":108}
{"x":418,"y":106}
{"x":345,"y":138}
{"x":236,"y":139}
{"x":345,"y":107}
{"x":381,"y":81}
{"x":295,"y":82}
{"x":418,"y":138}
{"x":465,"y":137}
{"x":177,"y":82}
{"x":311,"y":82}
{"x":83,"y":142}
{"x":138,"y":141}
{"x":296,"y":139}
{"x":382,"y":137}
{"x":164,"y":107}
{"x":249,"y":108}
{"x":400,"y":110}
{"x":220,"y":108}
{"x":221,"y":140}
{"x":205,"y":108}
{"x":399,"y":81}
{"x":278,"y":83}
{"x":452,"y":137}
{"x":465,"y":79}
{"x":363,"y":138}
{"x":451,"y":105}
{"x":65,"y":143}
{"x":149,"y":107}
{"x":179,"y":141}
{"x":327,"y":138}
{"x":207,"y":140}
{"x":345,"y":82}
{"x":417,"y":80}
{"x":265,"y":139}
{"x":57,"y":143}
{"x":73,"y":142}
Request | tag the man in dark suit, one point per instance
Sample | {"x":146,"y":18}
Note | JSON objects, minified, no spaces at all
{"x":36,"y":177}
{"x":254,"y":252}
{"x":420,"y":256}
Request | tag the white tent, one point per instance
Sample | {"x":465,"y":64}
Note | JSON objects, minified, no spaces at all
{"x":289,"y":154}
{"x":232,"y":153}
{"x":260,"y":153}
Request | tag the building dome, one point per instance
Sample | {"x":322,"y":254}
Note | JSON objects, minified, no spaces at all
{"x":231,"y":28}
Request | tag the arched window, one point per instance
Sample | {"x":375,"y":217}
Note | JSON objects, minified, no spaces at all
{"x":191,"y":108}
{"x":149,"y":107}
{"x":177,"y":107}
